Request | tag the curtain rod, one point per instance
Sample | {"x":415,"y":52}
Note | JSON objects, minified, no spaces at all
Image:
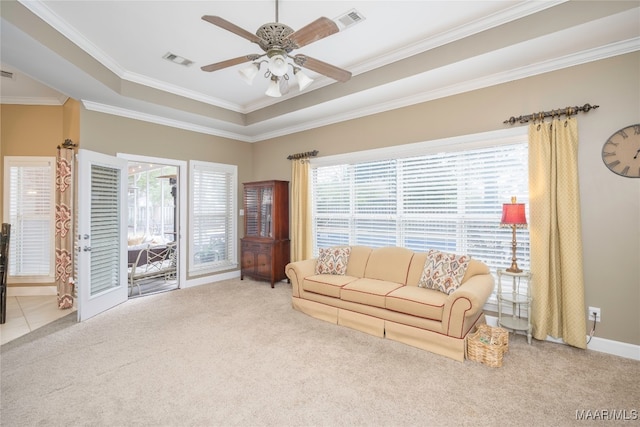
{"x":303,"y":155}
{"x":569,"y":111}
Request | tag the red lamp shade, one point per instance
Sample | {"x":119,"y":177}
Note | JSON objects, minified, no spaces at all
{"x":513,"y":214}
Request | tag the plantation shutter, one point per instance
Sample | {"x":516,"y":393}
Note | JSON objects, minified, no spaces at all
{"x":212,"y":217}
{"x":453,"y":202}
{"x":106,"y":214}
{"x":30,"y":197}
{"x":331,"y":206}
{"x":450,"y":200}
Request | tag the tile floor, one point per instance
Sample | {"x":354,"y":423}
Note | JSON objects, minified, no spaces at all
{"x":26,"y":313}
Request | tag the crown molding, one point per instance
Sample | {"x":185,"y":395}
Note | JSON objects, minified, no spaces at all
{"x":615,"y":49}
{"x":516,"y":12}
{"x":151,"y":118}
{"x":590,"y":55}
{"x":41,"y":10}
{"x":180,"y":91}
{"x":25,"y":100}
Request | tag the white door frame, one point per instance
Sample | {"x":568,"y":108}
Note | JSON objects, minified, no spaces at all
{"x":182,"y":205}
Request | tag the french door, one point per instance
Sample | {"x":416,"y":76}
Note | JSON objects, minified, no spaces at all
{"x":102,"y":233}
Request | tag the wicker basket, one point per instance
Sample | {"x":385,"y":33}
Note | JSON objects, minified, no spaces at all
{"x":487,"y":345}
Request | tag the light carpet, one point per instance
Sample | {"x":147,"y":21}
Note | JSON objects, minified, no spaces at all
{"x":236,"y":353}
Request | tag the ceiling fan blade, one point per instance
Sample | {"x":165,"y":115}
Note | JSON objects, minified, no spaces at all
{"x":318,"y":29}
{"x":223,"y":23}
{"x":322,"y":67}
{"x":230,"y":62}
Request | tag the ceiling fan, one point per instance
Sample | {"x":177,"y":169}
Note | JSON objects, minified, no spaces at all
{"x":277,"y":41}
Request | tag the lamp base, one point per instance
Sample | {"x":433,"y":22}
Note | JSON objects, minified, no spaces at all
{"x":514,"y":267}
{"x":514,"y":263}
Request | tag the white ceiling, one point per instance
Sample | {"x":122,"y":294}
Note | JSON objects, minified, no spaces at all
{"x":108,"y":54}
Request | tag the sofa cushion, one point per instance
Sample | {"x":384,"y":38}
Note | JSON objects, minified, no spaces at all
{"x":368,"y":291}
{"x":333,"y":260}
{"x":326,"y":284}
{"x":443,"y":271}
{"x":390,"y":264}
{"x":358,"y":260}
{"x":416,"y":301}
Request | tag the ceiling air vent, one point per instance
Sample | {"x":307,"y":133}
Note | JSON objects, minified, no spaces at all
{"x":349,"y":19}
{"x":177,"y":59}
{"x":7,"y":74}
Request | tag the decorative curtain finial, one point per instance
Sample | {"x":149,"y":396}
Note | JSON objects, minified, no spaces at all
{"x":68,"y":144}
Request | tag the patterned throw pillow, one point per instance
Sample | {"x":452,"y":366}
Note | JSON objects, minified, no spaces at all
{"x":333,"y":260}
{"x":443,"y":272}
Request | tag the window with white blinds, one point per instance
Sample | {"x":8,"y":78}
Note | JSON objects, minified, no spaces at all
{"x":29,"y":205}
{"x":445,"y":200}
{"x":212,"y":217}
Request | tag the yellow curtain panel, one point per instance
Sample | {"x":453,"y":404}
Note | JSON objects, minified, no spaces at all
{"x":555,"y":232}
{"x":301,"y":235}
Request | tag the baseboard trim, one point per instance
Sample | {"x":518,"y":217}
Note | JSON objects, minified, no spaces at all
{"x":211,"y":279}
{"x":31,"y":291}
{"x":602,"y":345}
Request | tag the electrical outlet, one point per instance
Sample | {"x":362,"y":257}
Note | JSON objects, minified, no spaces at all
{"x":592,"y":311}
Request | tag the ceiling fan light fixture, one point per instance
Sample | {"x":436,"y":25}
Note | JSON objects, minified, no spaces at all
{"x":249,"y":73}
{"x":278,"y":65}
{"x":277,"y":41}
{"x":274,"y":88}
{"x":303,"y":80}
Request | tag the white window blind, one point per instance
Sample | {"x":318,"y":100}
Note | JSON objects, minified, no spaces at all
{"x":212,"y":217}
{"x":29,"y":207}
{"x":450,"y":201}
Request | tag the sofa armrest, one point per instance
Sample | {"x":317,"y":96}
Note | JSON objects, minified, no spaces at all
{"x":297,"y":271}
{"x":465,"y":303}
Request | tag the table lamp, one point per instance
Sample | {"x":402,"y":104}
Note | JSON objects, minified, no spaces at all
{"x":513,"y":216}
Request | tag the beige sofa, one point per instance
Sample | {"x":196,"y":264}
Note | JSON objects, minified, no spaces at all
{"x":379,"y":294}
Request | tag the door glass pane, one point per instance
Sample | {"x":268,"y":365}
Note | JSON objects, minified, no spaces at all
{"x":251,"y":214}
{"x":266,"y":199}
{"x":105,"y":229}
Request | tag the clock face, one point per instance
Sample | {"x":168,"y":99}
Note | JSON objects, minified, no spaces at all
{"x":621,"y":152}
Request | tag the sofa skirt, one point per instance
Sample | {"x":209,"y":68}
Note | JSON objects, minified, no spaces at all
{"x":361,"y":322}
{"x":316,"y":309}
{"x":424,"y":339}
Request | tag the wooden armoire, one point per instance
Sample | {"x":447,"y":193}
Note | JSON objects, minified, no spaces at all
{"x":265,"y":247}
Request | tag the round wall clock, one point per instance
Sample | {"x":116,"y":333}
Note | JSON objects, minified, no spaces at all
{"x":621,"y":152}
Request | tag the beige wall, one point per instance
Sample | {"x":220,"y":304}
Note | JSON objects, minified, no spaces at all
{"x":610,"y":204}
{"x":31,"y":130}
{"x":110,"y":134}
{"x":35,"y":131}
